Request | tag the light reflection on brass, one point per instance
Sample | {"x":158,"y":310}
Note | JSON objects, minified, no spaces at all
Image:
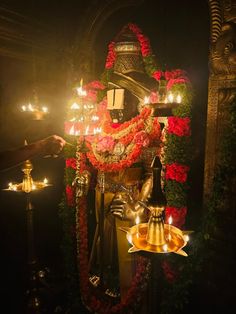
{"x":27,"y":185}
{"x":155,"y":232}
{"x":137,"y":237}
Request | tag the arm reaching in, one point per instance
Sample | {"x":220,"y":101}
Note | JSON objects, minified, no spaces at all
{"x":51,"y":145}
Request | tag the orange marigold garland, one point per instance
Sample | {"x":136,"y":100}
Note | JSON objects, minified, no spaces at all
{"x":177,"y":134}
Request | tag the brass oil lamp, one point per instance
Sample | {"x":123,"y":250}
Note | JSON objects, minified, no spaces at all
{"x":156,"y":236}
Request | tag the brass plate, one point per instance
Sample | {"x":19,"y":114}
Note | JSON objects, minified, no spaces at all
{"x":137,"y":234}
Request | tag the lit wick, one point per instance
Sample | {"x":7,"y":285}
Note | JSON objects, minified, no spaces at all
{"x":170,"y":220}
{"x":137,"y":221}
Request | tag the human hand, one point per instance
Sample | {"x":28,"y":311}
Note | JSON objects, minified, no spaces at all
{"x":52,"y":145}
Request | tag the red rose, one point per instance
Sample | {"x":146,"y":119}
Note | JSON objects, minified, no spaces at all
{"x":71,"y":163}
{"x":179,"y":126}
{"x":177,"y":172}
{"x":111,"y":56}
{"x":178,"y":215}
{"x":157,"y":75}
{"x":168,"y":75}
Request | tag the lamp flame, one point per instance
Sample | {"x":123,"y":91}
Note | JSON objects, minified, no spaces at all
{"x":170,"y":220}
{"x":146,"y":100}
{"x":137,"y":220}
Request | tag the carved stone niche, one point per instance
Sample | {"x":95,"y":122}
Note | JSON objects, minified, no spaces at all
{"x":221,"y":94}
{"x":222,"y":81}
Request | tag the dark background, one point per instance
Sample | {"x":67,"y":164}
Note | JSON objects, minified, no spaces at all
{"x":179,"y":36}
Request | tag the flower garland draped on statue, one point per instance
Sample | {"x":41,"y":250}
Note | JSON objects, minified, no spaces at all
{"x":97,"y":153}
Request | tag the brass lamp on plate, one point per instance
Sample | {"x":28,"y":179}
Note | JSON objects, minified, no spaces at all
{"x":155,"y":236}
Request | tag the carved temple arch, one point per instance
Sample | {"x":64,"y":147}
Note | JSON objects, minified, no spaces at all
{"x":94,"y":18}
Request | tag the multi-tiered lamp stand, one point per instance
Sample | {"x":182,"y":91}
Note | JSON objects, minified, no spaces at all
{"x":36,"y":274}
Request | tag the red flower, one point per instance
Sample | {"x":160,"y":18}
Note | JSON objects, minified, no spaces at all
{"x":177,"y":172}
{"x":134,"y":28}
{"x":157,"y":75}
{"x":143,"y":40}
{"x":94,"y":85}
{"x":171,"y":82}
{"x":111,"y":56}
{"x":168,"y":75}
{"x":178,"y":215}
{"x":70,"y":196}
{"x":71,"y":163}
{"x":179,"y":126}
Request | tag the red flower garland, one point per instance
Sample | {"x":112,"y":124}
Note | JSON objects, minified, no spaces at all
{"x":144,"y":114}
{"x":115,"y":166}
{"x":177,"y":172}
{"x":179,"y":126}
{"x":94,"y":303}
{"x":143,"y":40}
{"x":111,"y":56}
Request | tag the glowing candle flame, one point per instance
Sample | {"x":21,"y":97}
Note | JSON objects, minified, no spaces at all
{"x":10,"y":184}
{"x":75,"y":106}
{"x":33,"y":187}
{"x":87,"y":130}
{"x":77,"y":132}
{"x":178,"y":99}
{"x":186,"y":238}
{"x":23,"y":108}
{"x":81,"y":92}
{"x":165,"y":248}
{"x":95,"y":118}
{"x":72,"y":130}
{"x":170,"y":220}
{"x":129,"y":238}
{"x":170,"y":97}
{"x":45,"y":181}
{"x":146,"y":100}
{"x":137,"y":220}
{"x":30,"y":107}
{"x":45,"y":109}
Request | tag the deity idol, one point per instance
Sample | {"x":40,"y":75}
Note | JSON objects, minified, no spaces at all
{"x":131,"y":125}
{"x":126,"y":148}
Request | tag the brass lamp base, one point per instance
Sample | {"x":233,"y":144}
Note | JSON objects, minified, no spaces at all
{"x":163,"y":109}
{"x":18,"y":187}
{"x":175,"y":239}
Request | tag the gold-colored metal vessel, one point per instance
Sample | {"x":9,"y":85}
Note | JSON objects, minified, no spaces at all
{"x":27,"y":185}
{"x":175,"y":239}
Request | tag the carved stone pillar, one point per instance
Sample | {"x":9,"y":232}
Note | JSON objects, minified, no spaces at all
{"x":222,"y":80}
{"x":219,"y":270}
